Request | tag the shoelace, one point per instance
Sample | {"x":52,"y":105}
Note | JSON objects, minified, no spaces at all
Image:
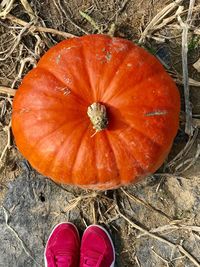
{"x":60,"y":259}
{"x":94,"y":261}
{"x":63,"y":261}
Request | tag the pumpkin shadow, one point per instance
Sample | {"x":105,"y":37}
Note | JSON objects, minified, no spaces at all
{"x":115,"y":229}
{"x":116,"y":120}
{"x":122,"y":257}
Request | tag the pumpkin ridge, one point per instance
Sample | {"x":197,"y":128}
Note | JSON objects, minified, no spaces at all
{"x":118,"y":178}
{"x":74,"y":179}
{"x":95,"y":160}
{"x":32,"y":150}
{"x":53,"y":162}
{"x":112,"y":80}
{"x":44,"y":137}
{"x":143,"y":80}
{"x":87,"y":69}
{"x":108,"y":48}
{"x":126,"y":146}
{"x":152,"y":141}
{"x":146,"y":136}
{"x":78,"y":97}
{"x":35,"y":110}
{"x":72,"y":70}
{"x":160,"y":128}
{"x":141,"y":133}
{"x":98,"y":91}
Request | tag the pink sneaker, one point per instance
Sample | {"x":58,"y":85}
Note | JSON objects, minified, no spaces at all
{"x":63,"y":246}
{"x":97,"y":248}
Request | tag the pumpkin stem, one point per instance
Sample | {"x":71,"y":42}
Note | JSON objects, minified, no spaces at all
{"x":98,"y":116}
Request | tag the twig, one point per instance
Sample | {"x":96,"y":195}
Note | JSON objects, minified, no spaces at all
{"x":158,"y":18}
{"x":7,"y":90}
{"x":91,"y":21}
{"x":33,"y":17}
{"x":16,"y":41}
{"x":28,"y":8}
{"x":26,"y":250}
{"x":134,"y":198}
{"x":159,"y":238}
{"x":160,"y":257}
{"x":31,"y":60}
{"x":191,"y":81}
{"x":109,"y":209}
{"x":112,"y":29}
{"x":8,"y":6}
{"x":70,"y":20}
{"x":99,"y":212}
{"x":39,"y":28}
{"x":134,"y":225}
{"x":137,"y":261}
{"x":174,"y":227}
{"x":118,"y":11}
{"x":93,"y":212}
{"x":170,"y":175}
{"x":196,"y":121}
{"x":184,"y":152}
{"x":170,"y":19}
{"x":190,"y":162}
{"x":188,"y":108}
{"x":74,"y":202}
{"x":7,"y":146}
{"x":179,"y":79}
{"x":62,"y":10}
{"x":59,"y":8}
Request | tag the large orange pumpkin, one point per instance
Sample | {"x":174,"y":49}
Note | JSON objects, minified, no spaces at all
{"x":97,"y":112}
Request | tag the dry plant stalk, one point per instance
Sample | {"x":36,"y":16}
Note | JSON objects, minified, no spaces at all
{"x":62,"y":10}
{"x":160,"y":257}
{"x":39,"y":28}
{"x":30,"y":60}
{"x":16,"y":41}
{"x":74,"y":202}
{"x":174,"y":226}
{"x":158,"y":19}
{"x":5,"y":8}
{"x":159,"y":238}
{"x":189,"y":162}
{"x":7,"y":91}
{"x":184,"y":152}
{"x":28,"y":8}
{"x":169,"y":19}
{"x":91,"y":21}
{"x":179,"y":79}
{"x":188,"y":108}
{"x":142,"y":202}
{"x":7,"y":129}
{"x":196,"y":65}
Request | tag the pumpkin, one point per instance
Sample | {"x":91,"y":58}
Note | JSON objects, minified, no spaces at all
{"x":97,"y":112}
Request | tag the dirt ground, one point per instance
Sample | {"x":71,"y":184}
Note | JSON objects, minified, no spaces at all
{"x":154,"y":223}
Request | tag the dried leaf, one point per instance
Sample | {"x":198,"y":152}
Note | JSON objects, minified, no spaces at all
{"x":196,"y":65}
